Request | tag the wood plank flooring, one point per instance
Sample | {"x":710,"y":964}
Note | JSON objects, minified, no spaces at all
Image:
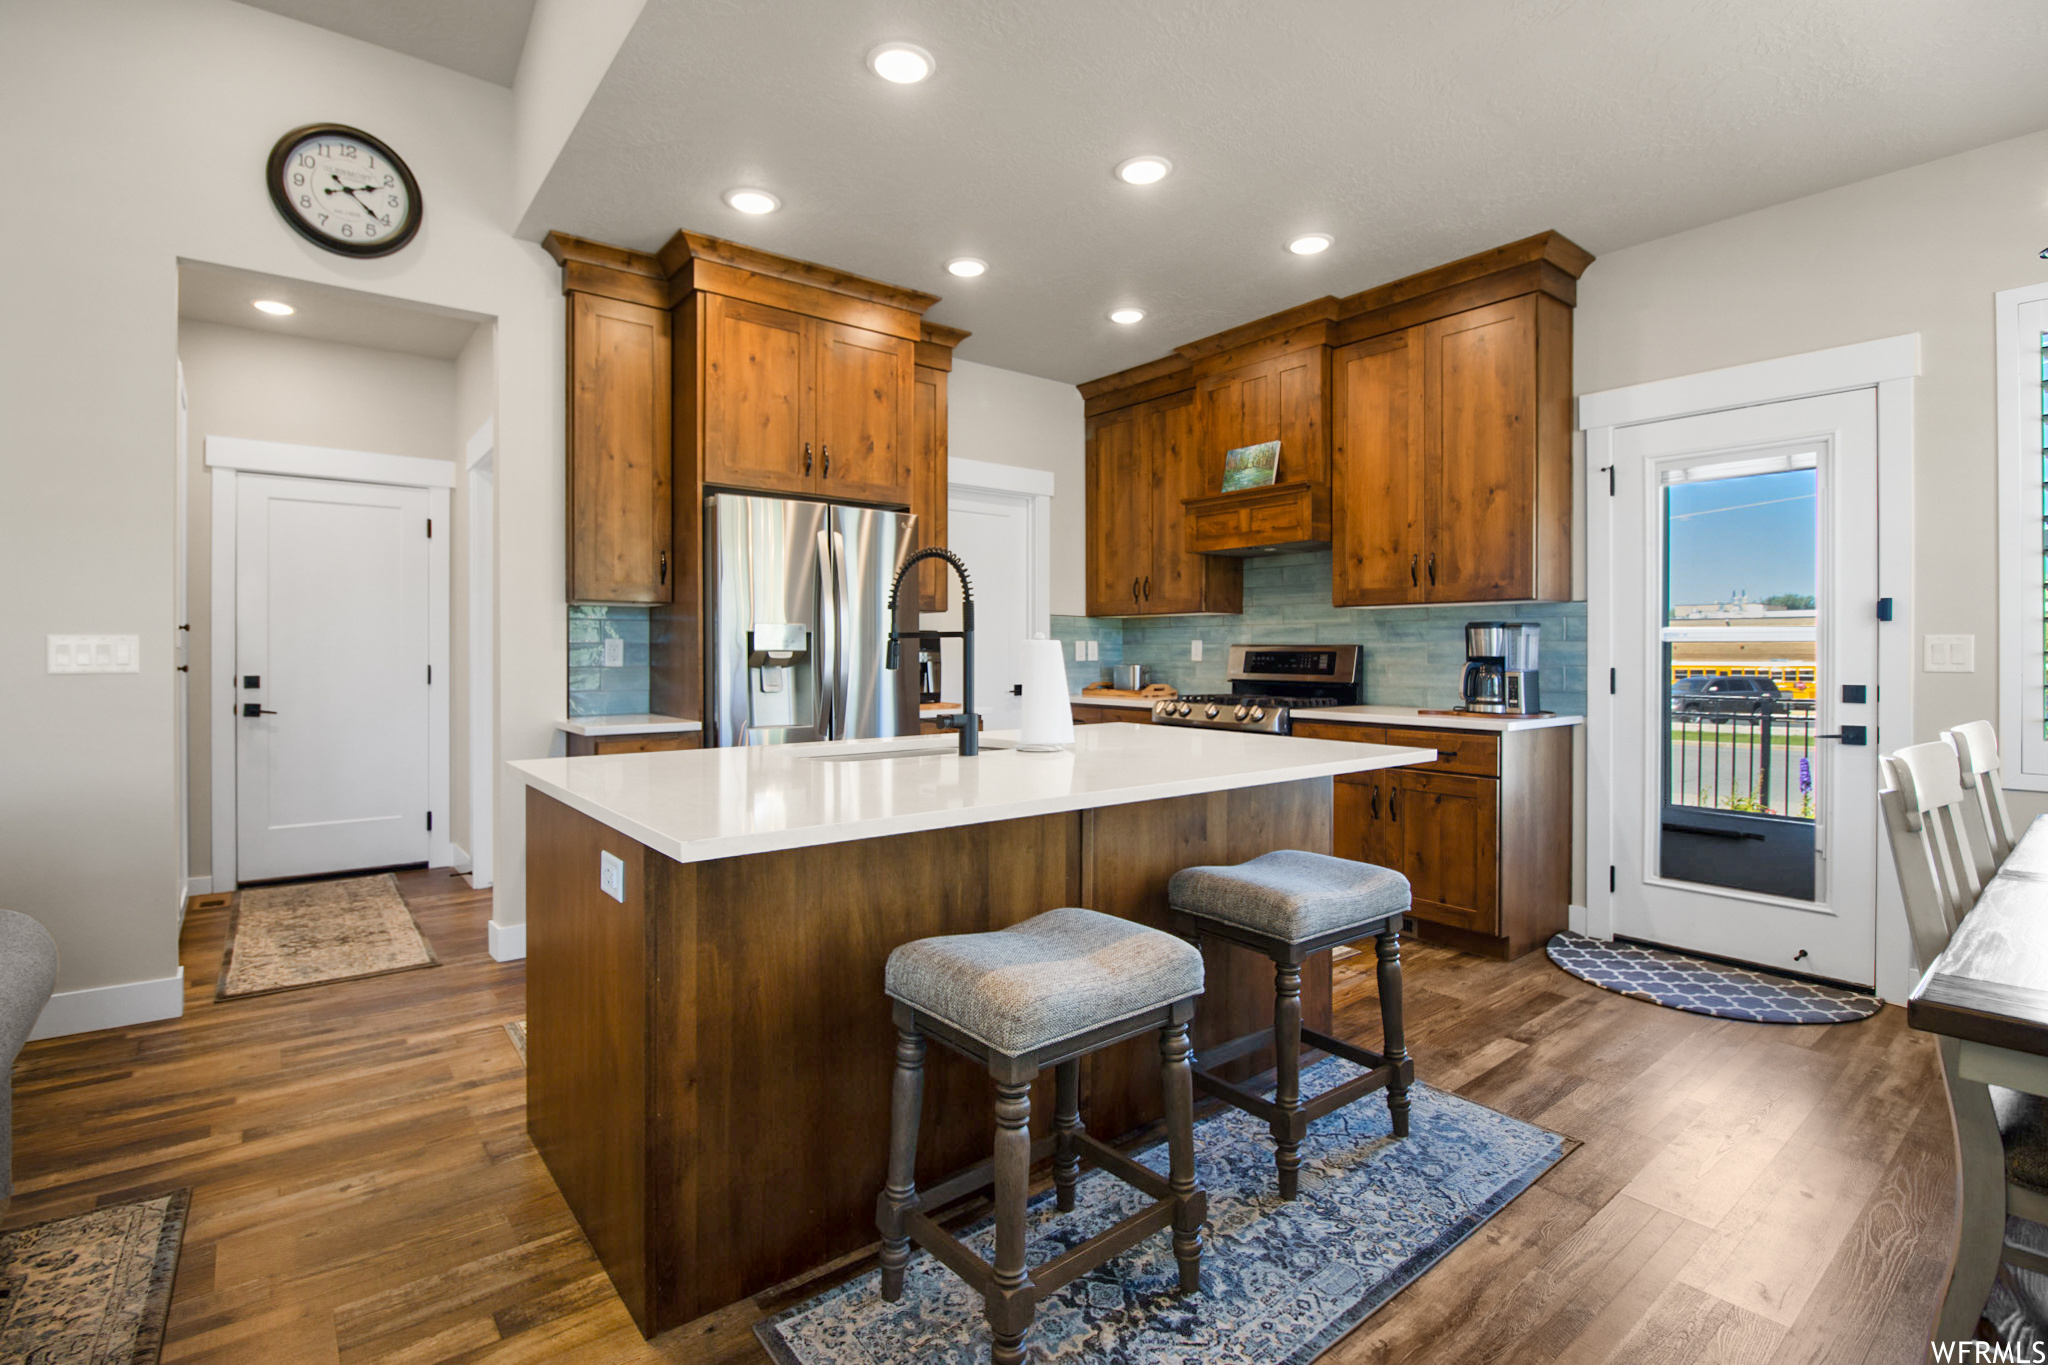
{"x":363,"y":1189}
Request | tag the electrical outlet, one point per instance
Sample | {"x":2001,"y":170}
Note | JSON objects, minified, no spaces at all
{"x":1950,"y":653}
{"x":95,"y":653}
{"x":614,"y":653}
{"x":611,"y":876}
{"x":1194,"y":651}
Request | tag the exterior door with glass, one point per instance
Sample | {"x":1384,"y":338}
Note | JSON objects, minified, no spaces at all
{"x":1745,"y":651}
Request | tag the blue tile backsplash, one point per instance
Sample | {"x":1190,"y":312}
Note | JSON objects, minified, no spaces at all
{"x":595,"y":690}
{"x":1412,"y":655}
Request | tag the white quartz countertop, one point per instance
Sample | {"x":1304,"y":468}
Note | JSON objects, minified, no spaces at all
{"x":1421,"y":720}
{"x":695,"y":805}
{"x":643,"y":724}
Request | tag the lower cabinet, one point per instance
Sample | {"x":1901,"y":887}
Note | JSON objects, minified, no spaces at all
{"x":582,"y":746}
{"x":1112,"y":715}
{"x":1483,"y":834}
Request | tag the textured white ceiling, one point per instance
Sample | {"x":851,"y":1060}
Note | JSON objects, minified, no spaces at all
{"x":214,"y":293}
{"x":1414,"y":133}
{"x":481,"y":38}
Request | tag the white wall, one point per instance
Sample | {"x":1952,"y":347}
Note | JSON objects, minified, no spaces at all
{"x":1922,"y":250}
{"x":266,"y":387}
{"x":570,"y":45}
{"x":476,"y":400}
{"x":1005,"y":417}
{"x":88,"y":819}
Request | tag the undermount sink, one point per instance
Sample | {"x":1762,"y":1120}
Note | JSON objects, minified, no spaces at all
{"x":938,"y":746}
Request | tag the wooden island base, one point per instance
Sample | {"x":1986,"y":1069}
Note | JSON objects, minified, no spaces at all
{"x":709,"y":1061}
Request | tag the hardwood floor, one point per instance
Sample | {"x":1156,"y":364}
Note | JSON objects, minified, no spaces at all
{"x":363,"y":1188}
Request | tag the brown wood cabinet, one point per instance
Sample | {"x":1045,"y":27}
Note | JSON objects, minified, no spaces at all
{"x":1112,"y":715}
{"x":1286,"y":516}
{"x":1280,"y":398}
{"x":619,"y":492}
{"x":1453,"y":459}
{"x":927,"y":459}
{"x":1483,"y":834}
{"x":1140,"y":471}
{"x":581,"y":746}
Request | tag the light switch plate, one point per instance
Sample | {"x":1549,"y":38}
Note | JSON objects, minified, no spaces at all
{"x":1094,"y":650}
{"x":611,"y":876}
{"x":614,"y":653}
{"x":95,"y":653}
{"x":1950,"y":654}
{"x":1194,"y":651}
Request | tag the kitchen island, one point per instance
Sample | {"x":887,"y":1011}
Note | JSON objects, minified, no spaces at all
{"x":709,"y":1047}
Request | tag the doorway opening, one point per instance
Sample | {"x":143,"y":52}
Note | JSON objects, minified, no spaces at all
{"x":999,"y":521}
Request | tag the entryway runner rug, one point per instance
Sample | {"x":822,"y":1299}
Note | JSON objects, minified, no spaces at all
{"x":1698,"y":986}
{"x":1281,"y":1281}
{"x":92,"y":1289}
{"x":313,"y":933}
{"x":516,"y":1031}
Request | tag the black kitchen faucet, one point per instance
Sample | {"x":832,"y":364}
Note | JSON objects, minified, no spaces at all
{"x":967,"y":722}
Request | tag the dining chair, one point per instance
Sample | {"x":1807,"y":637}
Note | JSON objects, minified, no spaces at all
{"x":2001,"y":1134}
{"x":1976,"y":744}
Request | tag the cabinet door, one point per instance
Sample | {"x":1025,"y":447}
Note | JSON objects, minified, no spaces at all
{"x":863,"y":393}
{"x":1279,"y":399}
{"x":1443,"y":833}
{"x":756,"y":378}
{"x":1172,"y":580}
{"x":1376,"y":457}
{"x":619,"y":524}
{"x":1119,"y":500}
{"x":927,"y":480}
{"x":1359,"y":826}
{"x":1481,"y":453}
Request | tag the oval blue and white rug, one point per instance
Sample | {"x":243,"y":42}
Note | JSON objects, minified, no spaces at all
{"x":1698,"y":986}
{"x":1281,"y":1281}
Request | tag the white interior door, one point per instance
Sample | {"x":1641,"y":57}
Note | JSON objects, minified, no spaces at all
{"x":181,"y":633}
{"x":991,"y":532}
{"x":1745,"y":647}
{"x":333,"y":645}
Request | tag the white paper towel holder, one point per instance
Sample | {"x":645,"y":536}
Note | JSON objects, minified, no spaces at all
{"x":1047,"y":725}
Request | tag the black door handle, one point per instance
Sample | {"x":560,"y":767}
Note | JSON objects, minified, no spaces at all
{"x":1854,"y":735}
{"x":1432,"y":568}
{"x":1375,"y":803}
{"x":1134,"y":589}
{"x":1148,"y":587}
{"x":1017,"y":689}
{"x":1394,"y":804}
{"x":824,"y":462}
{"x":807,"y":459}
{"x":252,"y":710}
{"x":1414,"y":574}
{"x":664,"y":568}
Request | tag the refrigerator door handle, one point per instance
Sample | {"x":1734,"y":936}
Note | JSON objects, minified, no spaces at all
{"x":827,"y":647}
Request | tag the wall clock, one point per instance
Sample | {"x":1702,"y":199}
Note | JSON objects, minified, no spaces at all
{"x":344,"y":190}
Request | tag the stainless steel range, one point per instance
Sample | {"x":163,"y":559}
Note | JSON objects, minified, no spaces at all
{"x":1268,"y":683}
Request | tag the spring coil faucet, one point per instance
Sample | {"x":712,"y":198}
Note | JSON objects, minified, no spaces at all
{"x":967,"y":722}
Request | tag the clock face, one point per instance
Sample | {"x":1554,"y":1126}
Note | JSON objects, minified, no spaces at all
{"x":344,"y":190}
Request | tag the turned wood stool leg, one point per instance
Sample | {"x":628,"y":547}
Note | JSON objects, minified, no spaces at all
{"x":1395,"y":1049}
{"x":1009,"y":1316}
{"x":1287,"y":1126}
{"x":1066,"y":1156}
{"x":899,"y":1196}
{"x":1189,"y":1209}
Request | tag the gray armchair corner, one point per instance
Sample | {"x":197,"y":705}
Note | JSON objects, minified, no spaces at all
{"x":28,"y":973}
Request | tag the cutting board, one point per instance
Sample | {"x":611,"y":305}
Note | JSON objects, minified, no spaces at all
{"x":1153,"y":692}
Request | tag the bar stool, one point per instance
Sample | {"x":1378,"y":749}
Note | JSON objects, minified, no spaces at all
{"x":1289,"y":905}
{"x":1040,"y":994}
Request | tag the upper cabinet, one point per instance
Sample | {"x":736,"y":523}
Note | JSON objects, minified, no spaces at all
{"x":1142,"y":466}
{"x":619,"y":494}
{"x":927,"y":460}
{"x":1280,"y":398}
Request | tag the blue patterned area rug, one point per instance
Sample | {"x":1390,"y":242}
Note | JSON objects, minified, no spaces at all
{"x":1281,"y":1282}
{"x":1698,"y":986}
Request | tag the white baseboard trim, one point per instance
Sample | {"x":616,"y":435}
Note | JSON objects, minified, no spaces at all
{"x":508,"y":942}
{"x":198,"y":886}
{"x":133,"y":1002}
{"x":458,"y":858}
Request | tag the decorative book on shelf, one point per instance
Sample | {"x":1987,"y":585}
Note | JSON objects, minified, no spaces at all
{"x":1255,"y":466}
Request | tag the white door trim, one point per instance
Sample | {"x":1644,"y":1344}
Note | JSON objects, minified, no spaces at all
{"x":480,"y":527}
{"x":226,"y":456}
{"x":1034,"y":488}
{"x":1888,"y":365}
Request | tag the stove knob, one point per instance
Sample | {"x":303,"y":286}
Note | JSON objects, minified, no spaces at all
{"x":1183,"y":708}
{"x":1242,"y":713}
{"x":1258,"y":713}
{"x":1211,"y":712}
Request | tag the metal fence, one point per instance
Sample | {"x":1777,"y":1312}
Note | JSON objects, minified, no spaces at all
{"x":1755,"y":761}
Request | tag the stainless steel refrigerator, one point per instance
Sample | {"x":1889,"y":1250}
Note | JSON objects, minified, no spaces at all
{"x":798,"y":597}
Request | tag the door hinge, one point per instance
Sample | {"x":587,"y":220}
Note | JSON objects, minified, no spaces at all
{"x":1610,"y":682}
{"x":1884,"y":608}
{"x":430,"y":528}
{"x":1610,"y":879}
{"x":430,"y":819}
{"x":1610,"y":481}
{"x":430,"y":675}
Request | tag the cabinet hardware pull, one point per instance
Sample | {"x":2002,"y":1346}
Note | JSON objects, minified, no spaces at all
{"x":1414,"y":573}
{"x":1432,"y":568}
{"x":1134,"y":589}
{"x":1148,"y":587}
{"x":825,"y":462}
{"x":664,"y":568}
{"x":1375,"y":802}
{"x":1394,"y":804}
{"x":807,"y":459}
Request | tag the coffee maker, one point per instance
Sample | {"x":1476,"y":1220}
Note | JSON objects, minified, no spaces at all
{"x":1500,"y":668}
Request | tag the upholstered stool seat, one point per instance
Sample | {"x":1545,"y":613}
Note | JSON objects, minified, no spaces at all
{"x":1050,"y":978}
{"x":1040,"y":994}
{"x":1290,"y":905}
{"x":1292,"y":895}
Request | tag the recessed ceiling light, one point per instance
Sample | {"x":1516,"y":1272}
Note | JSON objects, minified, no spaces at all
{"x":1310,"y":244}
{"x":967,"y":267}
{"x":1128,"y":316}
{"x":1143,"y":170}
{"x":752,"y":201}
{"x":274,"y":308}
{"x":903,"y":63}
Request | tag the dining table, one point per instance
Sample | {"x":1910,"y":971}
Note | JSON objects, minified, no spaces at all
{"x":1985,"y":998}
